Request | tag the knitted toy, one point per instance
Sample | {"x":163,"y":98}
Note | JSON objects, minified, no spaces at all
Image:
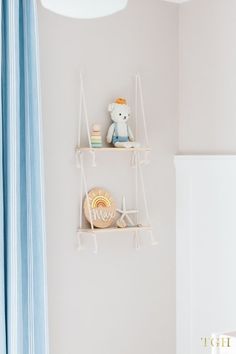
{"x":96,"y":139}
{"x":119,"y":133}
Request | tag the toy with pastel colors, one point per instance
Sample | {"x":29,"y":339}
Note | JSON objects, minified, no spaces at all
{"x":96,"y":139}
{"x":119,"y":133}
{"x":100,"y":208}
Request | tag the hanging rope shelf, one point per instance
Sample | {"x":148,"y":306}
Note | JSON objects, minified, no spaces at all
{"x":136,"y":162}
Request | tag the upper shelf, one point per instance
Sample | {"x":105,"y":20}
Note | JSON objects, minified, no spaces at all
{"x":88,"y":149}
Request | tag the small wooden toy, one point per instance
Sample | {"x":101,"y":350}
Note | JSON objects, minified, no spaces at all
{"x":100,"y":208}
{"x":96,"y":138}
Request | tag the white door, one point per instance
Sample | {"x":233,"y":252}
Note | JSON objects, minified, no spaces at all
{"x":206,"y":253}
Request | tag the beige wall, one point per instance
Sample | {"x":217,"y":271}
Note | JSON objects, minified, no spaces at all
{"x":119,"y":301}
{"x":207,"y":76}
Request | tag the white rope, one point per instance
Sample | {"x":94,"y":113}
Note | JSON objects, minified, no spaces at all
{"x":143,"y":110}
{"x":85,"y":111}
{"x":80,"y":112}
{"x":147,"y":157}
{"x":153,"y":240}
{"x":83,"y":181}
{"x":136,"y":106}
{"x":89,"y":207}
{"x":94,"y":164}
{"x":133,"y":159}
{"x":82,"y":108}
{"x":86,"y":192}
{"x":139,"y":92}
{"x":77,"y":157}
{"x":143,"y":190}
{"x":79,"y":236}
{"x":81,"y":198}
{"x":136,"y":184}
{"x":77,"y":152}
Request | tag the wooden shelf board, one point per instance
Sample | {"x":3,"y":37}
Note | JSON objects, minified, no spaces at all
{"x":116,"y":229}
{"x":88,"y":149}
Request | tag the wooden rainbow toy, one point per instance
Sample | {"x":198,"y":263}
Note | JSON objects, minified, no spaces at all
{"x":100,"y":207}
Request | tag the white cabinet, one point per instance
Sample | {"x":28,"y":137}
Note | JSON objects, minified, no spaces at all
{"x":206,"y":251}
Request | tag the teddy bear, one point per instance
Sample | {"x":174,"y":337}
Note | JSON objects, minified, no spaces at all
{"x":119,"y":133}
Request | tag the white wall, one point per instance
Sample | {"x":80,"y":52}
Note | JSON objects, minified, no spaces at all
{"x":207,"y":76}
{"x":207,"y":124}
{"x":206,"y":226}
{"x":119,"y":301}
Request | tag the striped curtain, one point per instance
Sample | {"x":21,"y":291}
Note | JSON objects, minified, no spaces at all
{"x":23,"y":320}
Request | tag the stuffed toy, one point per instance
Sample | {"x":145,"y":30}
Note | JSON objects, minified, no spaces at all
{"x":119,"y":133}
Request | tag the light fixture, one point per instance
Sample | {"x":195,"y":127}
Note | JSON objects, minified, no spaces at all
{"x":85,"y":8}
{"x":177,"y":1}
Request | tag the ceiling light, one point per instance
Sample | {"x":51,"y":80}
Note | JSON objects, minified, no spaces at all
{"x":84,"y":8}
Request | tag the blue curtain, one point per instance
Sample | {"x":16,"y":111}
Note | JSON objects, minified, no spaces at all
{"x":23,"y":319}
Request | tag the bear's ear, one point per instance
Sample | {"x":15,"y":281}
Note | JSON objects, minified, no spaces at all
{"x":111,"y":107}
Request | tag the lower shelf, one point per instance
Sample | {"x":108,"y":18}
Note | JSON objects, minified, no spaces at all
{"x":116,"y":229}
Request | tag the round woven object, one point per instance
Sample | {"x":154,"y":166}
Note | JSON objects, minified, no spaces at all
{"x":102,"y":208}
